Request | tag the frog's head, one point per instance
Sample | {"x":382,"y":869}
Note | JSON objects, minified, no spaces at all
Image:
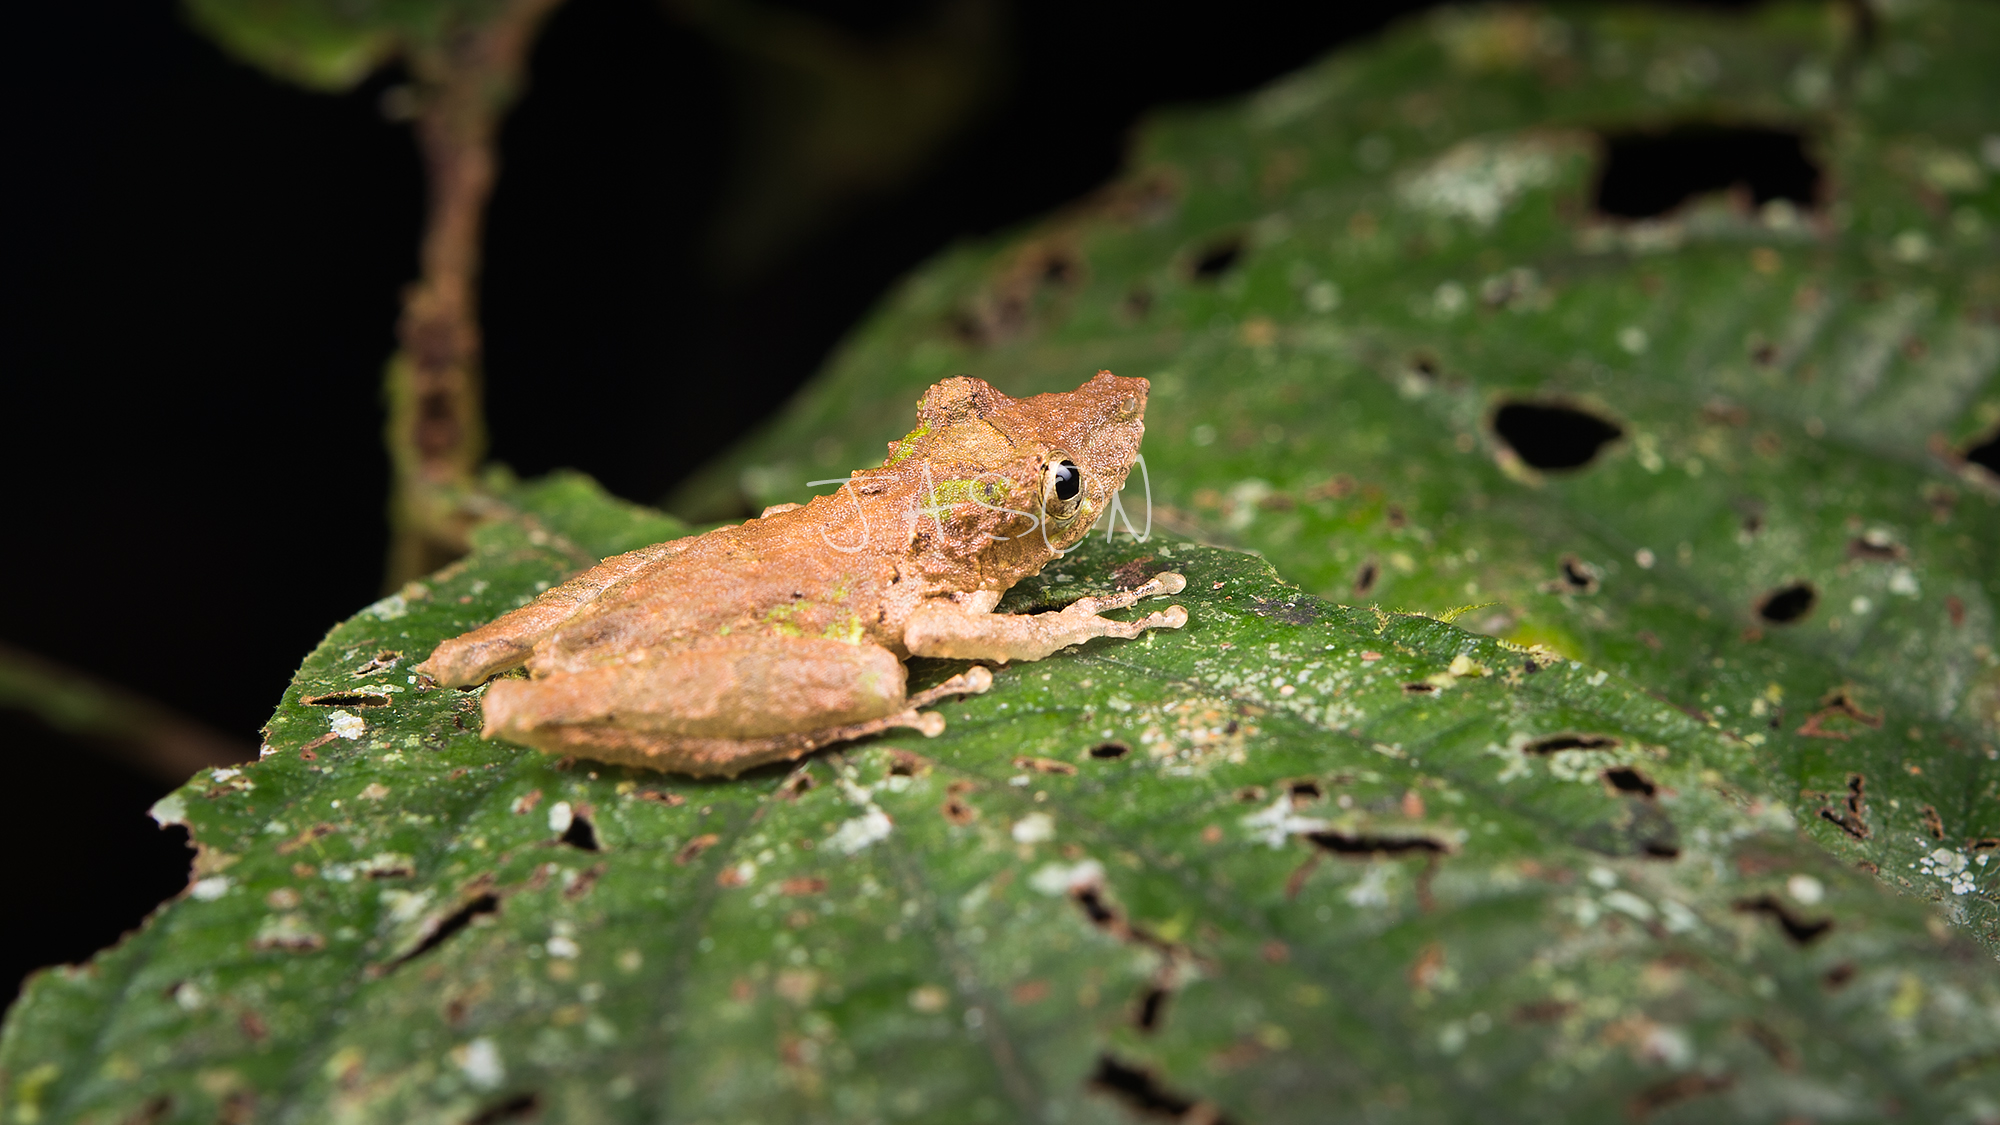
{"x":1059,"y":457}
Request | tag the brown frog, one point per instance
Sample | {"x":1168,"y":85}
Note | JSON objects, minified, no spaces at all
{"x":765,"y":641}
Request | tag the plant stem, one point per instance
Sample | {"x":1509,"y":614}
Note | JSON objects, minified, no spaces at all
{"x":437,"y":433}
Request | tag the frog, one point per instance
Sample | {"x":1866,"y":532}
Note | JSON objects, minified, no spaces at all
{"x":764,"y":641}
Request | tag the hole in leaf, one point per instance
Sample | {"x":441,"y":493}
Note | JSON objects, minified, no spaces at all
{"x":1141,"y":1092}
{"x":1986,"y":454}
{"x":904,"y":763}
{"x":1649,"y":174}
{"x":1419,"y":687}
{"x":1553,"y":436}
{"x":346,"y":699}
{"x":958,"y":812}
{"x":1217,"y":258}
{"x":1110,"y":750}
{"x":1625,"y":779}
{"x":1304,"y":790}
{"x":1663,"y":1094}
{"x":1851,"y":816}
{"x":1559,"y":742}
{"x":1838,"y":977}
{"x":1152,"y":1009}
{"x":798,"y":784}
{"x":1094,"y":907}
{"x":1364,"y":580}
{"x":1875,"y":547}
{"x":520,"y":1107}
{"x":450,"y":924}
{"x":581,"y":833}
{"x":1250,"y":794}
{"x":1800,"y":930}
{"x":1787,"y":603}
{"x":1574,"y":577}
{"x":1372,"y":844}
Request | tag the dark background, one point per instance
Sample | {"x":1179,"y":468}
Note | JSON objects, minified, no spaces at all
{"x":202,"y":269}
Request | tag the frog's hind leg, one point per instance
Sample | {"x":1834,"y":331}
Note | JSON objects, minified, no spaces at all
{"x":719,"y":706}
{"x":507,"y":641}
{"x":728,"y":757}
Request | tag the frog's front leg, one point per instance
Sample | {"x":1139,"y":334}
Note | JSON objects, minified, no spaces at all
{"x":720,"y":706}
{"x":947,"y":629}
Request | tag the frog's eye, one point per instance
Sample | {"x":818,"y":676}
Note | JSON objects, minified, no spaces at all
{"x":1062,"y":488}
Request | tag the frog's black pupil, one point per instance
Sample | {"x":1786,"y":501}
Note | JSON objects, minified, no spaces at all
{"x":1069,"y":481}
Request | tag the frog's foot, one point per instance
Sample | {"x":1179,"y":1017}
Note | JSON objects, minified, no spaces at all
{"x":1166,"y":582}
{"x":943,"y":629}
{"x":972,"y":681}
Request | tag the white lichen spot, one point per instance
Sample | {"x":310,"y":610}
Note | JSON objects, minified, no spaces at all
{"x":1805,"y":890}
{"x":169,"y":810}
{"x":1035,"y":828}
{"x":1373,"y":889}
{"x":562,"y":947}
{"x":480,"y":1061}
{"x":1678,"y":918}
{"x":389,"y":608}
{"x":1603,"y":877}
{"x":1480,"y":179}
{"x":224,"y":774}
{"x":209,"y":889}
{"x":1277,"y":822}
{"x":1625,"y":902}
{"x":1952,"y":867}
{"x":1669,"y":1046}
{"x":929,"y":999}
{"x":405,"y":906}
{"x":561,"y":816}
{"x":346,"y":724}
{"x":1633,"y":339}
{"x":1903,"y":582}
{"x":857,"y":833}
{"x":1062,"y":878}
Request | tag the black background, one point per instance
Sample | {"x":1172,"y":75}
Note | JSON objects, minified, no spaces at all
{"x":202,"y":269}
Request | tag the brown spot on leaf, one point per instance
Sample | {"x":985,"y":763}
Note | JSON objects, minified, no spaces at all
{"x":1851,"y":815}
{"x":802,"y":885}
{"x":692,"y":850}
{"x":1045,"y":765}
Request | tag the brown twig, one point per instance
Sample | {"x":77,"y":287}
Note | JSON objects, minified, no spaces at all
{"x":436,"y":435}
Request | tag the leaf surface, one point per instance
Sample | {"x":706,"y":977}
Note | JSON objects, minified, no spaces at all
{"x":1399,"y":349}
{"x":1293,"y":862}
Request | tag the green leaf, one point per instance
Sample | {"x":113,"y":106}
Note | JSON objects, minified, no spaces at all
{"x":1293,"y":862}
{"x":334,"y":44}
{"x":1338,"y":284}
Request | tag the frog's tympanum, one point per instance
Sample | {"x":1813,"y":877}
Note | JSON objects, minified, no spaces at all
{"x":765,"y":641}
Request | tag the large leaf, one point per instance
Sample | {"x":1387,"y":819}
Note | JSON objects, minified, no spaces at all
{"x":1294,"y":862}
{"x":1338,"y":286}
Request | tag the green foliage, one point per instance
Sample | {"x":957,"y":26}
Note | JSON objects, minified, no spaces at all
{"x":333,"y":44}
{"x":1294,"y":862}
{"x":1336,"y":284}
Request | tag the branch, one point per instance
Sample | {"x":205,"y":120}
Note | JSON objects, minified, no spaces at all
{"x":143,"y":734}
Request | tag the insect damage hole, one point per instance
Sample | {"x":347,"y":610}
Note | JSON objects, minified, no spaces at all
{"x":1364,"y":579}
{"x":1787,"y":604}
{"x":1627,"y":781}
{"x":1152,"y":1009}
{"x":346,"y":699}
{"x":1550,"y":435}
{"x":1217,"y":258}
{"x":520,"y":1107}
{"x":1800,"y":930}
{"x":450,"y":925}
{"x":1647,"y":174}
{"x":1143,"y":1093}
{"x":1556,"y":743}
{"x":581,"y":834}
{"x":1986,"y":453}
{"x":1363,"y":844}
{"x":1110,"y":751}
